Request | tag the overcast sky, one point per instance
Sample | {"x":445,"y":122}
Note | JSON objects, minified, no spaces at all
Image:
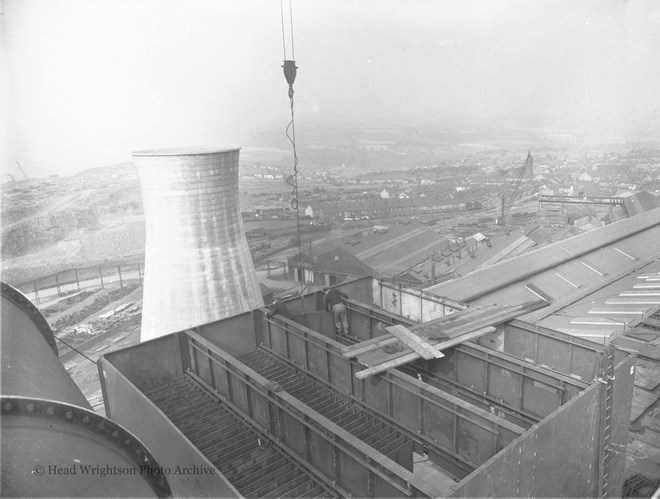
{"x":85,"y":82}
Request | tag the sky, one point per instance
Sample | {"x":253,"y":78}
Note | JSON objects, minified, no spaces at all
{"x":85,"y":82}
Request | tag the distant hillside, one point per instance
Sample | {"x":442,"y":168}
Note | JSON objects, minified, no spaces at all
{"x":96,"y":216}
{"x":59,"y":222}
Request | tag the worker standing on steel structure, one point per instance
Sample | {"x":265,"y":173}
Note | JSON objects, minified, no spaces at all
{"x":334,"y":302}
{"x":278,"y":307}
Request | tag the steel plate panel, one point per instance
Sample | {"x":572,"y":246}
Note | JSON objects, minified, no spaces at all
{"x":411,"y":307}
{"x":375,"y":393}
{"x":318,"y":361}
{"x":584,"y":363}
{"x":297,"y":349}
{"x":359,"y":324}
{"x":554,"y":354}
{"x":406,"y":407}
{"x":470,"y":372}
{"x":277,"y":339}
{"x":540,"y":399}
{"x":293,"y":433}
{"x":353,"y":476}
{"x":392,"y":300}
{"x":439,"y":425}
{"x":432,"y":310}
{"x":624,"y":376}
{"x":340,"y":373}
{"x":220,"y":379}
{"x":475,"y":443}
{"x":519,"y":343}
{"x":375,"y":293}
{"x":505,"y":385}
{"x":238,"y":392}
{"x":322,"y":456}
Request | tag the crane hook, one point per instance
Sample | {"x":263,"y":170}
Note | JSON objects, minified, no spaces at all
{"x":290,"y":75}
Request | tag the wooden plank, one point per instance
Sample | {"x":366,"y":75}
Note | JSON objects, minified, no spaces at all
{"x":647,"y":374}
{"x":452,"y":321}
{"x":457,"y":317}
{"x":641,"y":401}
{"x":468,"y":321}
{"x":404,"y":359}
{"x":641,"y":448}
{"x":386,"y":339}
{"x":461,"y":329}
{"x":415,"y":343}
{"x":648,"y":436}
{"x":375,"y":355}
{"x":651,"y":321}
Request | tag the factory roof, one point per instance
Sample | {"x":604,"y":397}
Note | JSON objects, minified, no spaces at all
{"x":602,"y":283}
{"x":394,"y":250}
{"x":641,"y":202}
{"x":562,"y":269}
{"x":614,"y":307}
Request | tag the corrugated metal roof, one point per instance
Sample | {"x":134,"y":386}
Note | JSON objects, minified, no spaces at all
{"x":605,"y":311}
{"x":397,"y":249}
{"x":641,"y":202}
{"x":606,"y":250}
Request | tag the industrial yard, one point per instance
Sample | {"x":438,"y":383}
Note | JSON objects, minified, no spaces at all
{"x":343,"y":250}
{"x":96,"y":313}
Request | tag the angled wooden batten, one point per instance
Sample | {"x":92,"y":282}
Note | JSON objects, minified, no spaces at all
{"x":428,"y":340}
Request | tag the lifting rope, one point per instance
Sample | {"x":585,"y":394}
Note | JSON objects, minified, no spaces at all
{"x":290,"y":71}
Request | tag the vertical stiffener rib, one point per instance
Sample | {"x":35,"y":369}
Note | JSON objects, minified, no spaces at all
{"x":198,"y":266}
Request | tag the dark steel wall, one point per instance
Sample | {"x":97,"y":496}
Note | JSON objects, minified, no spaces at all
{"x":466,"y":437}
{"x":353,"y":467}
{"x":235,"y":335}
{"x":559,"y":457}
{"x":150,"y":363}
{"x":170,"y":447}
{"x":564,"y":442}
{"x":358,"y":289}
{"x":521,"y":391}
{"x":508,"y":382}
{"x":621,"y":406}
{"x":559,"y":351}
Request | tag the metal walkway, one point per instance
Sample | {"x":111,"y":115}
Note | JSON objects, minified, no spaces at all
{"x":342,"y":411}
{"x":252,"y":464}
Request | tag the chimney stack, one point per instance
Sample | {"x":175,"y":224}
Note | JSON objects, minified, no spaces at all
{"x":198,"y":266}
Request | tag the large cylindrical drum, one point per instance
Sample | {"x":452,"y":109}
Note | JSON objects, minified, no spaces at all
{"x":198,"y":266}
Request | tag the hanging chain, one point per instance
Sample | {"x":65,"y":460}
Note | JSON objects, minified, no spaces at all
{"x":290,"y":68}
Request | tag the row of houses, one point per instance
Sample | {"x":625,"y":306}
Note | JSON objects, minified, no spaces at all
{"x":388,"y":207}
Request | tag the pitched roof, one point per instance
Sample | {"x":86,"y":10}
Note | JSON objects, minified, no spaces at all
{"x":396,"y":249}
{"x":563,"y":268}
{"x":641,"y":202}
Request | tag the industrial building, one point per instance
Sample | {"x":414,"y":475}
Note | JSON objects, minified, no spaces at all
{"x":279,"y":407}
{"x":384,"y":251}
{"x":427,"y":395}
{"x":568,"y":271}
{"x":460,"y":390}
{"x":604,"y":286}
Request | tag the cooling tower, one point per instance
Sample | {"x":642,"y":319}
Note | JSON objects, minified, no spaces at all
{"x":198,"y":266}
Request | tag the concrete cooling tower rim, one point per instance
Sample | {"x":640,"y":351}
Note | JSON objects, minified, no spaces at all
{"x":184,"y":151}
